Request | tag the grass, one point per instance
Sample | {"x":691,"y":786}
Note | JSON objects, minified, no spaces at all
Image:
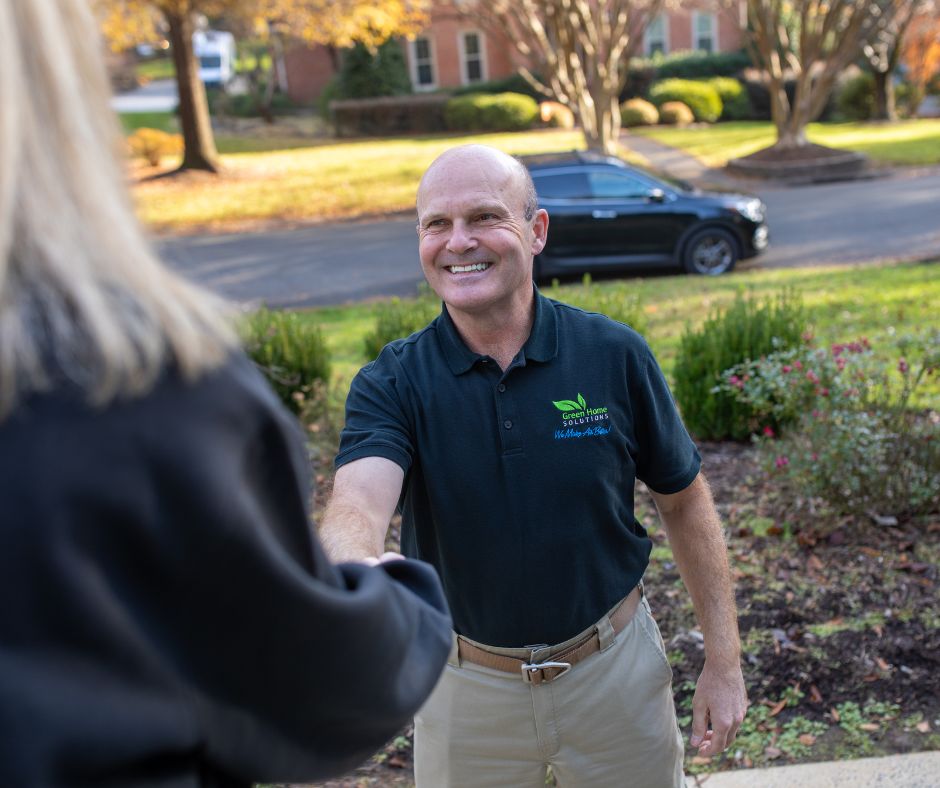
{"x":877,"y":301}
{"x":905,"y":142}
{"x":165,"y":121}
{"x":325,"y":180}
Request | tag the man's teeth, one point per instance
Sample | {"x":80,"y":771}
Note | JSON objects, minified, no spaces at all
{"x":464,"y":269}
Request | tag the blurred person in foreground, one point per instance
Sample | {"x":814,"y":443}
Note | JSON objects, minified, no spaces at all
{"x":169,"y":618}
{"x":510,"y":431}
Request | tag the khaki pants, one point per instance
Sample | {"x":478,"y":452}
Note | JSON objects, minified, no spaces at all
{"x":610,"y":721}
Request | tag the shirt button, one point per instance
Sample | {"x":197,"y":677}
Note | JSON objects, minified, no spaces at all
{"x":501,"y":388}
{"x":507,"y":424}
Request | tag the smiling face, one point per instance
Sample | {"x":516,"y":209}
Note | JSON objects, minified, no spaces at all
{"x":475,"y":243}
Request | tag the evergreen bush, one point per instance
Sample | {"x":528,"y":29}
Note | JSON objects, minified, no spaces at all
{"x":638,"y":112}
{"x":290,"y":352}
{"x":856,"y":98}
{"x":746,"y":330}
{"x":491,"y":112}
{"x":399,"y":318}
{"x":700,"y":97}
{"x":675,"y":113}
{"x":735,"y":104}
{"x":366,"y":75}
{"x":515,"y":83}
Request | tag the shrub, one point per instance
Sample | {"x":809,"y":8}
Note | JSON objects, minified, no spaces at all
{"x":422,"y":113}
{"x":638,"y":112}
{"x":700,"y":97}
{"x":735,"y":105}
{"x":696,"y":65}
{"x":515,"y":83}
{"x":849,"y":436}
{"x":856,"y":98}
{"x":364,"y":74}
{"x":556,"y":115}
{"x":618,"y":303}
{"x":290,"y":352}
{"x":153,"y":144}
{"x":675,"y":113}
{"x":399,"y":318}
{"x":747,"y":329}
{"x":248,"y":105}
{"x":491,"y":112}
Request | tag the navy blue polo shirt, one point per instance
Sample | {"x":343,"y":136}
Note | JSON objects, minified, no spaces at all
{"x":519,"y":484}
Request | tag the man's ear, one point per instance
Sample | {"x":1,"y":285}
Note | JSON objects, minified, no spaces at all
{"x":539,"y":230}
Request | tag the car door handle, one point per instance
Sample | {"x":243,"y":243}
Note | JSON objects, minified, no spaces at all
{"x":604,"y":214}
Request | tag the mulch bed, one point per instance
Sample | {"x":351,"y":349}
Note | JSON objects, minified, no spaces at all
{"x":831,"y":612}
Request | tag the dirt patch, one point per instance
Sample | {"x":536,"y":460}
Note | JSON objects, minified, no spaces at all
{"x":839,"y":622}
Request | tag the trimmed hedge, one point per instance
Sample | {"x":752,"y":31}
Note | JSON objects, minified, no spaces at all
{"x":515,"y":83}
{"x":491,"y":112}
{"x":423,"y":113}
{"x":675,"y":113}
{"x":735,"y":104}
{"x":700,"y":97}
{"x":638,"y":112}
{"x":644,"y":72}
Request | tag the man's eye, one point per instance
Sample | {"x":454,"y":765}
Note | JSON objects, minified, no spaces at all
{"x":435,"y":223}
{"x":487,"y":217}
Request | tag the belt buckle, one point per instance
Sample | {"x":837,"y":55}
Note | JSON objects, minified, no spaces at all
{"x":529,"y":669}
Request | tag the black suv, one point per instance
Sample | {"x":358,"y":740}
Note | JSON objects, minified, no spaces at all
{"x":605,"y":214}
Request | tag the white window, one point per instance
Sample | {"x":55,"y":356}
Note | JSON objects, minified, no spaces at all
{"x":656,"y":37}
{"x":472,"y":57}
{"x":422,"y":65}
{"x":704,"y":32}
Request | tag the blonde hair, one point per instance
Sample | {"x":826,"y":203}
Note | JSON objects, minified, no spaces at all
{"x":82,"y":296}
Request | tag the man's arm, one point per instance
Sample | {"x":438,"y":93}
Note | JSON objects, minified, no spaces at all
{"x":698,"y":545}
{"x":365,"y":493}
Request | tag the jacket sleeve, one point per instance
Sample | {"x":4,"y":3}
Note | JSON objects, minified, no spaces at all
{"x":295,"y":668}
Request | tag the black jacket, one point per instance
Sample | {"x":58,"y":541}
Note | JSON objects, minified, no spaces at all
{"x":168,"y":617}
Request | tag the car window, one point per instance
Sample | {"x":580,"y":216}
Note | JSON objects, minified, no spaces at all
{"x":615,"y":184}
{"x":561,"y":185}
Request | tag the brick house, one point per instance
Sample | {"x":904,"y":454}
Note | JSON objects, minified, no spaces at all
{"x":456,"y":50}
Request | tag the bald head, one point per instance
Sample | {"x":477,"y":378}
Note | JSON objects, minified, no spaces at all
{"x":505,"y":171}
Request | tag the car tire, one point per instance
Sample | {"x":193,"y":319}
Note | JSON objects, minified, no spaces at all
{"x":710,"y":251}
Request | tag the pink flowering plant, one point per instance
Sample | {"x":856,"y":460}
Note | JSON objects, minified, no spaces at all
{"x":838,"y":423}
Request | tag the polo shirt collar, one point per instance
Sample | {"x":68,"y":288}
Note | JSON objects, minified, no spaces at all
{"x":542,"y":344}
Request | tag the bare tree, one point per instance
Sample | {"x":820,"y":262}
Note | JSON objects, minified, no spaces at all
{"x":582,"y":49}
{"x":814,"y":40}
{"x":883,"y":52}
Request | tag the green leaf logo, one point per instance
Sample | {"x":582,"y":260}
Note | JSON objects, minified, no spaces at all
{"x":570,"y":406}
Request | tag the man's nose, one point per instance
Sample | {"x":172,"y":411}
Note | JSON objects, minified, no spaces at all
{"x":461,"y":238}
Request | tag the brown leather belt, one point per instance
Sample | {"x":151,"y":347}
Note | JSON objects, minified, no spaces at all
{"x":555,"y":664}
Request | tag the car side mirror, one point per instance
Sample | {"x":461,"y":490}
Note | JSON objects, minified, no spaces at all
{"x":656,"y":195}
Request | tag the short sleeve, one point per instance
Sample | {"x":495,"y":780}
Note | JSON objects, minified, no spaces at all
{"x":668,"y":460}
{"x":377,"y":424}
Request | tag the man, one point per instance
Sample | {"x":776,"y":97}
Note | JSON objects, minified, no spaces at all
{"x":511,"y":431}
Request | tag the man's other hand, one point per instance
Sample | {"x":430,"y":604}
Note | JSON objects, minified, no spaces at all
{"x":718,"y":708}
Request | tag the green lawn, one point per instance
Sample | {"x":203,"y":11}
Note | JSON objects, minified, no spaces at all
{"x":875,"y":301}
{"x":165,"y":121}
{"x":905,"y":142}
{"x":327,"y":179}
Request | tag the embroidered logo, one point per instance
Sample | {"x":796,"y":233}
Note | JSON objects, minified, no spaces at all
{"x":580,"y":421}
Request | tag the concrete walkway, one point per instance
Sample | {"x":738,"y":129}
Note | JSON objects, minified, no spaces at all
{"x":678,"y":164}
{"x":913,"y":770}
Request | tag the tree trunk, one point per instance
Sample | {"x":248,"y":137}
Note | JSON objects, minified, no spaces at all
{"x":885,"y":105}
{"x":199,"y":152}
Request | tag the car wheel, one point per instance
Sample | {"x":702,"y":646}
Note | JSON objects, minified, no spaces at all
{"x":710,"y":251}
